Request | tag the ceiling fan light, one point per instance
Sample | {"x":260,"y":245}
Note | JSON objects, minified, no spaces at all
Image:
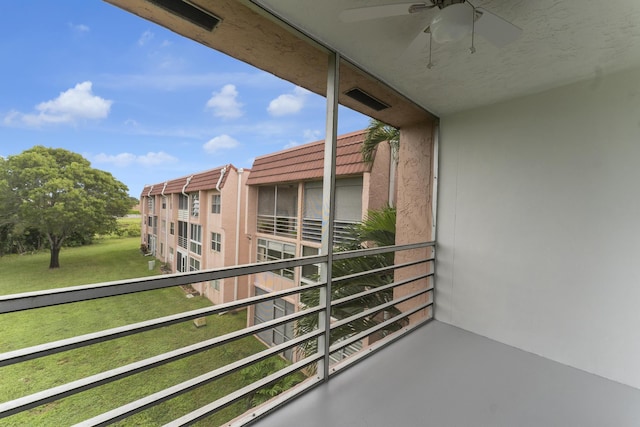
{"x":453,"y":23}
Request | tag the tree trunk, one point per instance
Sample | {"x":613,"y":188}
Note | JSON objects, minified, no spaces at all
{"x":54,"y":262}
{"x":55,"y":242}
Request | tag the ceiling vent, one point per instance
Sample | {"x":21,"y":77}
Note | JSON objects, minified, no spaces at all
{"x":189,"y":12}
{"x":366,"y":99}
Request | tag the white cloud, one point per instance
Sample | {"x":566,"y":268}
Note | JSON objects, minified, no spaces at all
{"x":288,"y":103}
{"x":145,"y":38}
{"x":120,"y":160}
{"x":152,"y":159}
{"x":291,"y":144}
{"x":222,"y":142}
{"x":79,"y":28}
{"x":127,"y":159}
{"x":74,"y":104}
{"x":311,"y":135}
{"x":225,"y":103}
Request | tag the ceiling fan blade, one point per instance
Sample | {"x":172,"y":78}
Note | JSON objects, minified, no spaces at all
{"x":496,"y":30}
{"x":377,"y":12}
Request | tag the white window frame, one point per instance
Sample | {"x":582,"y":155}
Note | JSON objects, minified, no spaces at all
{"x":267,"y":250}
{"x":216,"y":204}
{"x":194,"y":199}
{"x":195,"y":239}
{"x":216,"y":242}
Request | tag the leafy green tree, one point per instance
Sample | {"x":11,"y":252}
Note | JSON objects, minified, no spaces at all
{"x":58,"y":193}
{"x":378,"y":229}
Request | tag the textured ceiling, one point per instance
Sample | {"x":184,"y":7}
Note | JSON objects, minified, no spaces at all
{"x":562,"y":41}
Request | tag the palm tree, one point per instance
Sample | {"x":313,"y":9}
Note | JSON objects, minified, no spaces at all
{"x":378,"y":132}
{"x":378,"y":229}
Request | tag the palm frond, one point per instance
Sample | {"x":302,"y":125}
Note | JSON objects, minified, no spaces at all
{"x":378,"y":229}
{"x":378,"y":132}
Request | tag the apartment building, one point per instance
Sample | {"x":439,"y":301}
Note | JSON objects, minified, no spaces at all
{"x":284,"y":213}
{"x":197,"y":222}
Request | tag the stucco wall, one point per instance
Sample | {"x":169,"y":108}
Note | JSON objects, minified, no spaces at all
{"x":539,"y":224}
{"x":414,"y":218}
{"x":375,"y":185}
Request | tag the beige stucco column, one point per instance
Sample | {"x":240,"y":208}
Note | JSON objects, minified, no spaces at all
{"x":414,"y":208}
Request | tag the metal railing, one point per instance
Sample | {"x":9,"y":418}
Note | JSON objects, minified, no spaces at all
{"x":312,"y":230}
{"x":182,"y":242}
{"x":410,"y":308}
{"x":285,"y":226}
{"x":183,"y":215}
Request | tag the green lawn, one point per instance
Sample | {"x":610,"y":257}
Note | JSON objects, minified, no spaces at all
{"x":110,"y":259}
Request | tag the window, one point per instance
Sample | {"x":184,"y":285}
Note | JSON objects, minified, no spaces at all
{"x":195,"y":204}
{"x":172,"y":228}
{"x":216,"y":242}
{"x":161,"y":248}
{"x":268,"y":310}
{"x":164,"y":226}
{"x":164,"y":202}
{"x":278,"y":210}
{"x":170,"y":254}
{"x":269,"y":250}
{"x":215,"y":284}
{"x":348,"y":209}
{"x":151,"y":203}
{"x":181,"y":264}
{"x":311,"y":272}
{"x":195,"y":245}
{"x":182,"y":234}
{"x":194,"y":264}
{"x":183,"y":202}
{"x":215,"y":204}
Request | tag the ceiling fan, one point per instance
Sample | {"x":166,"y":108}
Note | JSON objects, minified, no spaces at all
{"x":454,"y":20}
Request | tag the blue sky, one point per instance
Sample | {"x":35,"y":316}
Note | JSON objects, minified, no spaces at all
{"x":138,"y":100}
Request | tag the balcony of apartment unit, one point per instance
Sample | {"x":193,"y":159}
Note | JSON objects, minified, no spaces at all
{"x":277,"y":225}
{"x":183,"y":207}
{"x":312,"y":230}
{"x":348,"y":194}
{"x":278,"y":210}
{"x":191,"y":366}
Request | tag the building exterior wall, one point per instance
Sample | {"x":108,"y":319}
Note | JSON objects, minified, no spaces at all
{"x":414,"y":213}
{"x":228,"y":224}
{"x":539,"y":224}
{"x":376,"y":183}
{"x":374,"y":195}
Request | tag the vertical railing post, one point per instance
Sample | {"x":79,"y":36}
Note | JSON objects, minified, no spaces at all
{"x":328,"y":207}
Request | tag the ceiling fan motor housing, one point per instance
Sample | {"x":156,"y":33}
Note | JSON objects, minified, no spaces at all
{"x":444,"y":3}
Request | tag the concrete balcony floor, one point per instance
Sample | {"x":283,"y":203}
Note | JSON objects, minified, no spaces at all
{"x":440,"y":375}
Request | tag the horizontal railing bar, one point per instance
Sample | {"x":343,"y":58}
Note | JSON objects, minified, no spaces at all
{"x":146,"y":402}
{"x":388,"y":340}
{"x":359,"y":336}
{"x":54,"y":347}
{"x":378,"y":270}
{"x":231,"y":398}
{"x":382,"y":288}
{"x":55,"y":393}
{"x":276,"y":402}
{"x":38,"y":299}
{"x":378,"y":308}
{"x":381,"y":250}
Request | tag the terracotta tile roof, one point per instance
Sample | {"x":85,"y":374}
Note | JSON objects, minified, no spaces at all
{"x":306,"y":162}
{"x":205,"y":180}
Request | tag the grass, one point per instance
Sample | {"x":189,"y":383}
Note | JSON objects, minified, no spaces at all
{"x":106,"y":260}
